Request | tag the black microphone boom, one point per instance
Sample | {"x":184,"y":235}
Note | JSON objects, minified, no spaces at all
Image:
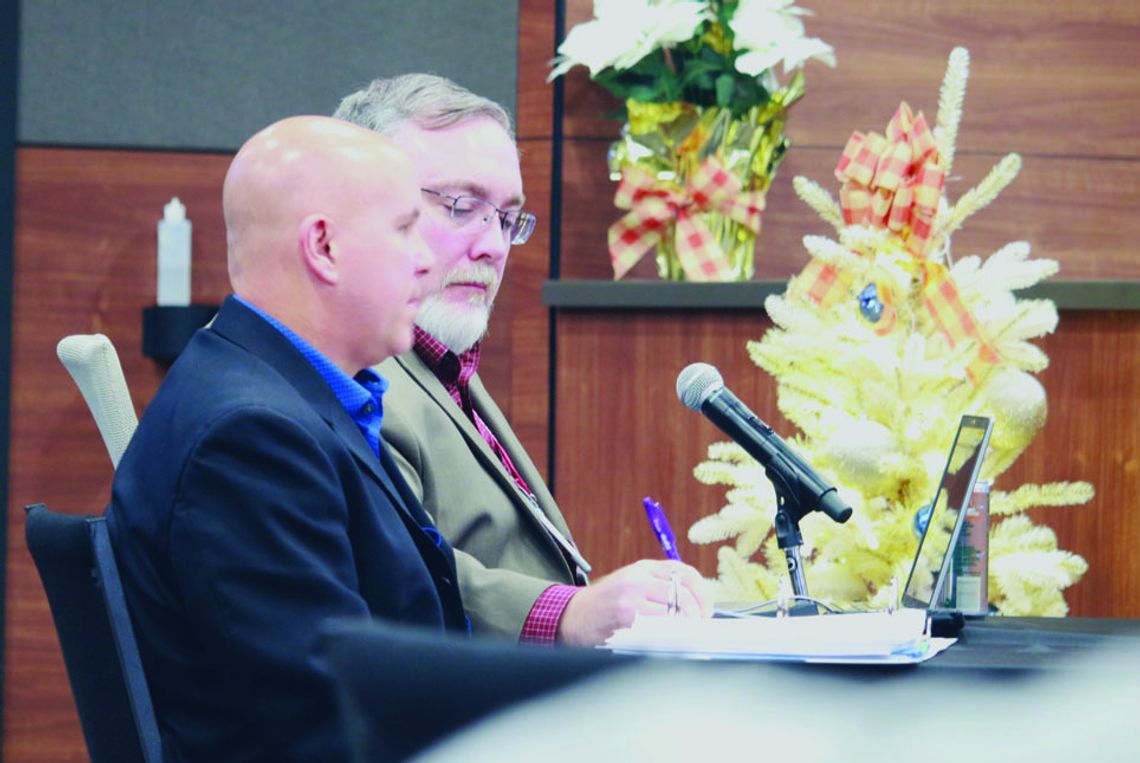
{"x":700,"y":387}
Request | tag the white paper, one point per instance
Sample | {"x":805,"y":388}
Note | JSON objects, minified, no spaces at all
{"x":866,"y":637}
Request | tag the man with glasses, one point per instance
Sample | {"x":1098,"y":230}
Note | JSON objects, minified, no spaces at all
{"x":520,"y":573}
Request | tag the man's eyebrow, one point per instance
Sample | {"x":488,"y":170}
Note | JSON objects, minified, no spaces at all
{"x":468,"y":188}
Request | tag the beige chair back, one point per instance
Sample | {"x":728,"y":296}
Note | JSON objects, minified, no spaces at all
{"x":94,"y":365}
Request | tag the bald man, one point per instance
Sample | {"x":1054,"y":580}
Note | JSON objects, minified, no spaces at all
{"x":256,"y":498}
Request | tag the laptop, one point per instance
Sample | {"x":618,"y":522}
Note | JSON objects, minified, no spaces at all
{"x":929,"y":581}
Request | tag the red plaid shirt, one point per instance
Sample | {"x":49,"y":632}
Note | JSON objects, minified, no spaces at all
{"x":455,"y":372}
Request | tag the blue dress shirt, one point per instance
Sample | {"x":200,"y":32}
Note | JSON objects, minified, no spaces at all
{"x":362,"y":396}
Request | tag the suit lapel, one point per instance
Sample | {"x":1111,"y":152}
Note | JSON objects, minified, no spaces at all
{"x":245,"y":328}
{"x":414,"y":365}
{"x":347,"y":430}
{"x":495,"y":420}
{"x":426,"y":379}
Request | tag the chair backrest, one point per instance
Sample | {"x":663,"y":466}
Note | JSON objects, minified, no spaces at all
{"x":76,"y":564}
{"x":401,"y":688}
{"x":94,"y":365}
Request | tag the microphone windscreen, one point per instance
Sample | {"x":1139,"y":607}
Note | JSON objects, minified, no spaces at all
{"x":696,"y":382}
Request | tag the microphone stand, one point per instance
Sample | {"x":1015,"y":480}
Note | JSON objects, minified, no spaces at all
{"x":791,"y":509}
{"x":798,"y":488}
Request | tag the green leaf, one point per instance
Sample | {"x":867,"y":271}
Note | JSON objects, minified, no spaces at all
{"x":725,"y":86}
{"x":648,"y":93}
{"x":724,"y":13}
{"x":696,"y":67}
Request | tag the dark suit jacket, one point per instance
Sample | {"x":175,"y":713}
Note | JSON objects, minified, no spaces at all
{"x":247,"y":509}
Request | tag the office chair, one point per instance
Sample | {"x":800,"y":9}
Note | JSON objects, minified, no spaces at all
{"x":94,"y":365}
{"x":400,"y":688}
{"x":76,"y":564}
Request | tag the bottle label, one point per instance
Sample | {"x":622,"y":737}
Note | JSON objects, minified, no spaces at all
{"x":971,"y":555}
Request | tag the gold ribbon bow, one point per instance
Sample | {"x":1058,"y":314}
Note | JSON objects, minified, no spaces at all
{"x":662,"y":208}
{"x":893,"y":181}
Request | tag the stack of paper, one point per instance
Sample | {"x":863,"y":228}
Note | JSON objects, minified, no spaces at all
{"x":864,"y":637}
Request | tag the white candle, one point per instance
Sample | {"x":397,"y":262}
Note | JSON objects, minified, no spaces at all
{"x":174,"y":255}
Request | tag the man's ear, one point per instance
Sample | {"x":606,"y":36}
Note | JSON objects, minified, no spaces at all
{"x":316,"y":248}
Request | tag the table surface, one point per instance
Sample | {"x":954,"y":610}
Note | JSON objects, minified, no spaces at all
{"x":1035,"y":643}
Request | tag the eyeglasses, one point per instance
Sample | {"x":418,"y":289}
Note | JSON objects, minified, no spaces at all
{"x":471,"y":212}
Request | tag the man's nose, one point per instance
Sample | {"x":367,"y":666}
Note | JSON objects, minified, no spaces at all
{"x":425,"y":257}
{"x":491,"y":243}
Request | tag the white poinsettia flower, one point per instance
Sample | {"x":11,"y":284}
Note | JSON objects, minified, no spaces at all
{"x":768,"y":32}
{"x":625,"y":31}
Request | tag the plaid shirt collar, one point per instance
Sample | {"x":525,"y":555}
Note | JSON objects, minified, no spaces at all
{"x":451,"y":369}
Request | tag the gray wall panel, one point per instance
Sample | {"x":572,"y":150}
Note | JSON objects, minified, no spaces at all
{"x":206,"y":75}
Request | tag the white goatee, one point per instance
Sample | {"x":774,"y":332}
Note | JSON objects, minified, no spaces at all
{"x":459,"y":325}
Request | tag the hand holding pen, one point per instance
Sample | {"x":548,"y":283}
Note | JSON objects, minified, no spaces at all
{"x":661,"y":528}
{"x":649,"y":587}
{"x":668,"y":543}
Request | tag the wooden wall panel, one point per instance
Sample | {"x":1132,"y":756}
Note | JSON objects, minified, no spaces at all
{"x":1077,"y":211}
{"x":1092,"y":433}
{"x":622,"y":434}
{"x":516,"y":362}
{"x":85,"y":263}
{"x":1053,"y":78}
{"x":535,"y":117}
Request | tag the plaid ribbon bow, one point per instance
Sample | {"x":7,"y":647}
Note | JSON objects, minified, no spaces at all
{"x":955,"y":320}
{"x":825,"y":284}
{"x":893,"y":181}
{"x":658,"y":209}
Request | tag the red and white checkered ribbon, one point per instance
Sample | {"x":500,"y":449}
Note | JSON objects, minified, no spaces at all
{"x":825,"y":284}
{"x":955,"y":321}
{"x":662,"y":208}
{"x":894,"y":181}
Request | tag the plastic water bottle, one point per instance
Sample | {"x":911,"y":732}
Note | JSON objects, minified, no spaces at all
{"x":174,"y":255}
{"x":971,"y":555}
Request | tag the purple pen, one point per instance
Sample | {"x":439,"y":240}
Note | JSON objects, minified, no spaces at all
{"x":661,"y":528}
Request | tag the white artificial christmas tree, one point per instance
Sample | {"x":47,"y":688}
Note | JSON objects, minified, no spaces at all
{"x":878,"y":347}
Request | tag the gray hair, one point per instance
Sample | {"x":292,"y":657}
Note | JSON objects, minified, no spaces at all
{"x":426,"y":100}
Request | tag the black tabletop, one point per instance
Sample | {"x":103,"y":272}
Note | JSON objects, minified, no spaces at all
{"x":1036,"y":643}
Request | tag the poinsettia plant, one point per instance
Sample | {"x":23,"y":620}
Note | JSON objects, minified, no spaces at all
{"x":706,"y":53}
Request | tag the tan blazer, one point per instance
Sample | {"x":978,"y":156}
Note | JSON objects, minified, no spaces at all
{"x":505,"y":558}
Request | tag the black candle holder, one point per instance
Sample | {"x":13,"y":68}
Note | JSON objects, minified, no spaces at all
{"x":168,"y":328}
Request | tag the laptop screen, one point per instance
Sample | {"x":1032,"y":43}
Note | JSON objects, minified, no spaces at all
{"x":932,"y":560}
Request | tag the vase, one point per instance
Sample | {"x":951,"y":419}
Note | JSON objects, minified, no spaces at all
{"x":672,"y":140}
{"x":737,"y":242}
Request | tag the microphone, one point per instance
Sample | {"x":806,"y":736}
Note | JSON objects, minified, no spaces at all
{"x":700,"y":387}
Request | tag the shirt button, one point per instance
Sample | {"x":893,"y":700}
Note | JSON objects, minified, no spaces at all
{"x":369,"y":408}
